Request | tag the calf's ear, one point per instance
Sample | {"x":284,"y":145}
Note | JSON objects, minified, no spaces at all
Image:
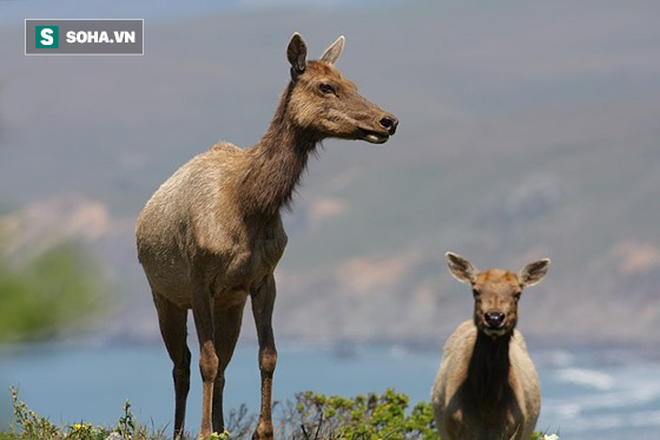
{"x":461,"y":269}
{"x":534,"y":272}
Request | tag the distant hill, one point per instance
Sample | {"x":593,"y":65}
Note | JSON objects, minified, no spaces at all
{"x":526,"y":131}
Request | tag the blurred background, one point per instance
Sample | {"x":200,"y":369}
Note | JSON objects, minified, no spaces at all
{"x":528,"y":130}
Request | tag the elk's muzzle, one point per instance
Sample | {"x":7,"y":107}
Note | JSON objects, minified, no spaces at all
{"x":389,"y":123}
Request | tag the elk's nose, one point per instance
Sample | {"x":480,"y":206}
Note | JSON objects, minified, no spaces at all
{"x":389,"y":123}
{"x":494,"y":319}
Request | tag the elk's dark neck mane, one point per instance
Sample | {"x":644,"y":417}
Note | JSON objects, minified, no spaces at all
{"x":488,"y":372}
{"x":276,"y":163}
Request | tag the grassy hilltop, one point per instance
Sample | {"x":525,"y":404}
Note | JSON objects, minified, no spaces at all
{"x":311,"y":416}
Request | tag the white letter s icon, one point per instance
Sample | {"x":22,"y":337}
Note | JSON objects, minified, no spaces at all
{"x":46,"y":34}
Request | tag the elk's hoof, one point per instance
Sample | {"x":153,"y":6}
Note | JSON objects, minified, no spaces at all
{"x":264,"y":431}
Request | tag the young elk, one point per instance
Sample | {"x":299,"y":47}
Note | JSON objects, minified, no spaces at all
{"x":487,"y":387}
{"x":212,"y":235}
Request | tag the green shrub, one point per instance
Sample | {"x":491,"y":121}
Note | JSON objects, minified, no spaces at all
{"x":27,"y":424}
{"x":47,"y":294}
{"x":374,"y":416}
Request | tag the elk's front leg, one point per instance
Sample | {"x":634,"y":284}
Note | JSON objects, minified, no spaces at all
{"x":263,"y":300}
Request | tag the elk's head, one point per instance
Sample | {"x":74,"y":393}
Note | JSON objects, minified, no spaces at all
{"x":496,"y":292}
{"x":322,"y":101}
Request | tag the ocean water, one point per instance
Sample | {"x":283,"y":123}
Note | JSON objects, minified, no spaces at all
{"x":587,"y":393}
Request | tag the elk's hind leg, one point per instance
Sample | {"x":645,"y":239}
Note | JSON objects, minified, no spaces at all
{"x":172,"y":321}
{"x":227,"y":328}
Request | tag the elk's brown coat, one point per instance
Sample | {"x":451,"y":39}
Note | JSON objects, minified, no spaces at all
{"x":212,"y":235}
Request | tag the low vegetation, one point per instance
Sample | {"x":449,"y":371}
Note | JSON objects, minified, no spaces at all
{"x":374,"y":416}
{"x":310,"y":417}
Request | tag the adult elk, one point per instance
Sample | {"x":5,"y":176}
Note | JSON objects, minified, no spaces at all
{"x":212,"y":235}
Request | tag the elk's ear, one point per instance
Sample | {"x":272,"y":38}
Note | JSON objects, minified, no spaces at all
{"x":332,"y":53}
{"x":461,"y":269}
{"x":296,"y":53}
{"x":534,"y":272}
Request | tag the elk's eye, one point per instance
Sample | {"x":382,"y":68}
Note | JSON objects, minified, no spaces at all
{"x":517,"y":295}
{"x":326,"y":88}
{"x":475,"y":292}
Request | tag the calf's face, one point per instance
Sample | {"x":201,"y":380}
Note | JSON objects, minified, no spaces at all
{"x":496,"y":292}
